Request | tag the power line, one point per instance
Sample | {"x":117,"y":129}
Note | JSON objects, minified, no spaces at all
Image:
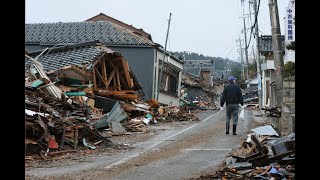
{"x":255,"y":22}
{"x":230,"y":51}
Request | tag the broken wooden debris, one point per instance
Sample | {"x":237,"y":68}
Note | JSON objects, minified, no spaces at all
{"x":197,"y":98}
{"x":254,"y":162}
{"x":67,"y":108}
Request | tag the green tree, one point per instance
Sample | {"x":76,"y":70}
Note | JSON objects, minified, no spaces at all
{"x":289,"y":69}
{"x":236,"y":72}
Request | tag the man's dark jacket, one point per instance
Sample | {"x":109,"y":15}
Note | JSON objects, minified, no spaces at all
{"x":231,"y":95}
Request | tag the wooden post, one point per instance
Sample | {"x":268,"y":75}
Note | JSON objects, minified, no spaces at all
{"x":115,"y":78}
{"x":94,"y":78}
{"x":110,"y":78}
{"x":100,"y":76}
{"x":118,"y":79}
{"x":126,"y":72}
{"x":104,"y":70}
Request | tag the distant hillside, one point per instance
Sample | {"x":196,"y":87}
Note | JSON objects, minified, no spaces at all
{"x":220,"y":63}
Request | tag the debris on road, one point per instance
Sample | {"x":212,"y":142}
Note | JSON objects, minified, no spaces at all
{"x":195,"y":96}
{"x":263,"y":155}
{"x":72,"y":105}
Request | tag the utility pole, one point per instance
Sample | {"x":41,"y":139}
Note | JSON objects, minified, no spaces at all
{"x":277,"y":50}
{"x":258,"y":52}
{"x":241,"y":60}
{"x":246,"y":47}
{"x":164,"y":55}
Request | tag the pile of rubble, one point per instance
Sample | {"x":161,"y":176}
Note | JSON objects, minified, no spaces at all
{"x":196,"y":96}
{"x":272,"y":111}
{"x":263,"y":155}
{"x":251,"y":95}
{"x":65,"y":112}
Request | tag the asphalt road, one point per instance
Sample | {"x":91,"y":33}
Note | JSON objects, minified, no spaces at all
{"x":178,"y":153}
{"x":184,"y":154}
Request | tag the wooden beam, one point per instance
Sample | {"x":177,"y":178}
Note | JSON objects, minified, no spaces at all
{"x":104,"y":69}
{"x":126,"y":72}
{"x":115,"y":78}
{"x":118,"y":79}
{"x":104,"y":82}
{"x":110,"y":78}
{"x":94,"y":79}
{"x":127,"y":65}
{"x":97,"y":59}
{"x":123,"y":80}
{"x":111,"y":63}
{"x":131,"y":80}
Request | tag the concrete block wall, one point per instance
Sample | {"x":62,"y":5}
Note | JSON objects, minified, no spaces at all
{"x":287,"y":120}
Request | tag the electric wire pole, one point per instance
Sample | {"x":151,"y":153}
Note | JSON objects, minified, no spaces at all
{"x":246,"y":48}
{"x":164,"y":55}
{"x":258,"y":52}
{"x":277,"y":50}
{"x":241,"y":60}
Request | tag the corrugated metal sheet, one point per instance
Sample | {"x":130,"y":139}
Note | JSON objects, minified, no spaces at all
{"x":265,"y":131}
{"x":79,"y":32}
{"x":117,"y":113}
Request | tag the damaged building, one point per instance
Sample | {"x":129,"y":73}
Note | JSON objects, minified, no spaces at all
{"x":90,"y":65}
{"x":136,"y":49}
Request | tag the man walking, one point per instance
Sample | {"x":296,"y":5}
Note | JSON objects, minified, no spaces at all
{"x":232,"y":96}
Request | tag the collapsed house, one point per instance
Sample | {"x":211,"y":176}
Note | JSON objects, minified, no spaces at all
{"x":143,"y":55}
{"x":200,"y":83}
{"x":81,"y":94}
{"x":93,"y":66}
{"x":201,"y":69}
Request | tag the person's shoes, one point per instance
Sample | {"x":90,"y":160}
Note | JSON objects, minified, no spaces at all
{"x":227,"y":128}
{"x":234,"y":129}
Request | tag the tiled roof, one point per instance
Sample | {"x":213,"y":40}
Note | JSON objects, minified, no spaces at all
{"x":193,"y":71}
{"x":77,"y":54}
{"x":266,"y":44}
{"x":198,"y":63}
{"x":79,"y":32}
{"x":194,"y":67}
{"x":104,"y":17}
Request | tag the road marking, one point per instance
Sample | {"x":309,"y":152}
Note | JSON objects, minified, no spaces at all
{"x":158,"y":143}
{"x":208,"y":149}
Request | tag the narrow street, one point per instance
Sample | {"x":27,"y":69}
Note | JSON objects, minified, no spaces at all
{"x":179,"y":153}
{"x":122,"y":90}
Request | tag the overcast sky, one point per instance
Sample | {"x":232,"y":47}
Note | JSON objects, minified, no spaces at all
{"x":209,"y":27}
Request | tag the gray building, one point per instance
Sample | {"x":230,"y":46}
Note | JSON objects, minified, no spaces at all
{"x":144,"y":56}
